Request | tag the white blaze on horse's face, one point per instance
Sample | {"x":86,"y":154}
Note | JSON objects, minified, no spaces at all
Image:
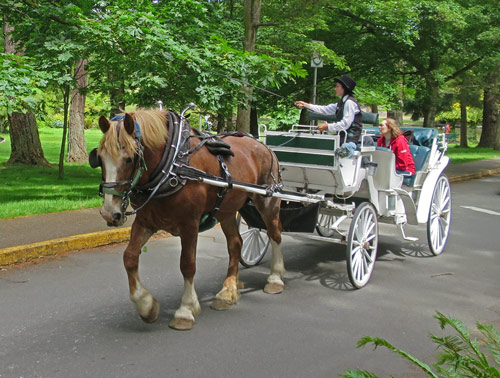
{"x":115,"y":171}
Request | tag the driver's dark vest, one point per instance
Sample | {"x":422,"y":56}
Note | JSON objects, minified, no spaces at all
{"x":354,"y":131}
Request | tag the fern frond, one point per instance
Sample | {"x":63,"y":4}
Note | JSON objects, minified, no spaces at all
{"x":381,"y":342}
{"x":358,"y":374}
{"x":463,"y":332}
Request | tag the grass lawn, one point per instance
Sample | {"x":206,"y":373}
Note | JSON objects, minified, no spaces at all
{"x":459,"y":155}
{"x":34,"y":190}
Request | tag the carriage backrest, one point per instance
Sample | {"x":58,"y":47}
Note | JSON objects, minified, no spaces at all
{"x":385,"y":175}
{"x":422,"y":136}
{"x":366,"y":117}
{"x":304,"y":148}
{"x":420,"y":156}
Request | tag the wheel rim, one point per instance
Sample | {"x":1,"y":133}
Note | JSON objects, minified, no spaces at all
{"x":362,"y":246}
{"x":439,"y":217}
{"x":254,"y":246}
{"x":325,"y":224}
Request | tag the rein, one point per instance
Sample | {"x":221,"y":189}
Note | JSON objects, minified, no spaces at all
{"x":139,"y":167}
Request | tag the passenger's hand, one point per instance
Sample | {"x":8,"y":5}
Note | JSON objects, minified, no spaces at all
{"x":301,"y":104}
{"x":323,"y":127}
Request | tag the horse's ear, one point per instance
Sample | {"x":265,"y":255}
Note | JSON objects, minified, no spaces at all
{"x":103,"y":124}
{"x":129,"y":123}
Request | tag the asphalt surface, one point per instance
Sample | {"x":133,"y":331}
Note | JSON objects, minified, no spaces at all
{"x":27,"y":238}
{"x":70,"y":316}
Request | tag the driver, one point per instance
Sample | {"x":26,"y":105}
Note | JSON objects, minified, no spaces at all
{"x":347,"y":110}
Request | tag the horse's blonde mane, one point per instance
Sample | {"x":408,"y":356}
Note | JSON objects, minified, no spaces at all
{"x":153,"y":125}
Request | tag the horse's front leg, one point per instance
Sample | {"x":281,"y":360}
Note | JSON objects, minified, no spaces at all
{"x":146,"y":305}
{"x":229,"y":294}
{"x":184,"y":317}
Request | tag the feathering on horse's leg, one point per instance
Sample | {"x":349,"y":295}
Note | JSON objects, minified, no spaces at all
{"x":229,"y":293}
{"x":146,"y":305}
{"x":269,"y":209}
{"x":184,"y":317}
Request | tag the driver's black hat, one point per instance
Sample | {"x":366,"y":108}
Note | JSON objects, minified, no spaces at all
{"x":347,"y":83}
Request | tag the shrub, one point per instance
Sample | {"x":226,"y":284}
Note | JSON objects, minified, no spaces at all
{"x":461,"y":354}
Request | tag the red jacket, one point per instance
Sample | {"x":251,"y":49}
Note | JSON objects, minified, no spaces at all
{"x":399,"y":145}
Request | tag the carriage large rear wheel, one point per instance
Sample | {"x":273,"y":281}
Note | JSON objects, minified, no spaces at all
{"x":362,"y":245}
{"x":439,"y":222}
{"x":255,"y":243}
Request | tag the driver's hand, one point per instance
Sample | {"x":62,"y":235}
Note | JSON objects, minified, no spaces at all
{"x":323,"y":127}
{"x":301,"y":104}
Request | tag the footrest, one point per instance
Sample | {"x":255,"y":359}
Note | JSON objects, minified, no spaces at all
{"x":409,"y":238}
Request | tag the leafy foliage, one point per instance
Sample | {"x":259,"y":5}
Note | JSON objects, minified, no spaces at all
{"x":462,"y":355}
{"x":19,"y":83}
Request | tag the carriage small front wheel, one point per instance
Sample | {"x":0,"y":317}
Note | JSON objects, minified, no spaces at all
{"x":439,"y":222}
{"x":324,"y":227}
{"x":362,"y":245}
{"x":255,"y":243}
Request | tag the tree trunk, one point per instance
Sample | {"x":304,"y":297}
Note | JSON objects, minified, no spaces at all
{"x":252,"y":19}
{"x":24,"y":138}
{"x":254,"y":121}
{"x":77,"y":148}
{"x":221,"y":120}
{"x":65,"y":130}
{"x":463,"y":125}
{"x":374,"y":108}
{"x":490,"y":111}
{"x":396,"y":115}
{"x":430,"y":101}
{"x":496,"y":146}
{"x":116,"y":100}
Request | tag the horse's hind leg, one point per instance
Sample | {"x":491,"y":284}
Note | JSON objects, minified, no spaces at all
{"x":146,"y":305}
{"x":184,"y":317}
{"x":269,"y":210}
{"x":229,"y":294}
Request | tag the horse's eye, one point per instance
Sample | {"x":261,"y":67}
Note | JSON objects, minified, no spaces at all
{"x":128,"y":160}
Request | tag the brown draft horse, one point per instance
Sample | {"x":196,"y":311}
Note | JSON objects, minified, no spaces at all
{"x":180,"y":213}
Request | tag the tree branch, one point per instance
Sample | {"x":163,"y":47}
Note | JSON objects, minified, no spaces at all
{"x":465,"y":68}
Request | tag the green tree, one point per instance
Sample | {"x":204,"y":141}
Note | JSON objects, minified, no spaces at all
{"x":430,"y":42}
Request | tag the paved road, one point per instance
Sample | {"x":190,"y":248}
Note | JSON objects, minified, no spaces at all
{"x":71,"y":317}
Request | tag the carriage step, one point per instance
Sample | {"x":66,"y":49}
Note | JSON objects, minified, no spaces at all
{"x":409,"y":238}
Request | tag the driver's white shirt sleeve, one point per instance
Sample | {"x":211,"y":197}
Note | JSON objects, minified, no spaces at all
{"x":349,"y":112}
{"x":323,"y":109}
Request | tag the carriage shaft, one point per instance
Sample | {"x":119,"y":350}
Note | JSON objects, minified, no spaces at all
{"x":288,"y":196}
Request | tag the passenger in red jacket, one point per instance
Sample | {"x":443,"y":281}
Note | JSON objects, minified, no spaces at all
{"x":393,"y":138}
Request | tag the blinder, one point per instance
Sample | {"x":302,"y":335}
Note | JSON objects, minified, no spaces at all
{"x":94,"y":159}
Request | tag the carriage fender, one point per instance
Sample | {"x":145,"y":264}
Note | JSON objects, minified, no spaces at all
{"x":425,"y":198}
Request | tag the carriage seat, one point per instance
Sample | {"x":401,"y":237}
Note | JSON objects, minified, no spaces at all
{"x":420,"y":156}
{"x":422,"y":136}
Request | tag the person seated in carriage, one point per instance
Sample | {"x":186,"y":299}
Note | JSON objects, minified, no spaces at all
{"x":347,"y":110}
{"x":392,"y":137}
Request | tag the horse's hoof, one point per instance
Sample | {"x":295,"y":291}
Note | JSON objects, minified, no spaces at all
{"x":220,"y":305}
{"x":181,"y":324}
{"x":153,"y":314}
{"x":274,"y":288}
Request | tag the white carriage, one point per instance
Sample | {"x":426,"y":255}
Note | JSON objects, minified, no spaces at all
{"x":364,"y":189}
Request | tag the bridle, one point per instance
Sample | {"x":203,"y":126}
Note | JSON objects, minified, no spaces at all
{"x":139,"y":168}
{"x":140,"y":165}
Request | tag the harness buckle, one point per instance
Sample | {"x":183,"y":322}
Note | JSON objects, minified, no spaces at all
{"x":173,"y":181}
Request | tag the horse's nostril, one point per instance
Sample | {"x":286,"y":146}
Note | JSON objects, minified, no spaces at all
{"x":117,"y":216}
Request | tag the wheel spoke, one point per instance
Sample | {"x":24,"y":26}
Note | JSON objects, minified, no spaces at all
{"x":371,"y":237}
{"x":367,"y":256}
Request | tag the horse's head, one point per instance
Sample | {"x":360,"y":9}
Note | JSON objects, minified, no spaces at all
{"x":120,"y":155}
